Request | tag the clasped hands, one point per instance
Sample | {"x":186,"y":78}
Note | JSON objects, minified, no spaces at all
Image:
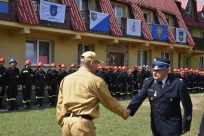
{"x":127,"y":114}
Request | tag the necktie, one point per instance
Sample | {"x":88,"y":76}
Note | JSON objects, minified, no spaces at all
{"x":160,"y":84}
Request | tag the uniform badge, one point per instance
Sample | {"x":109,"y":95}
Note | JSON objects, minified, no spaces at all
{"x":188,"y":118}
{"x":171,"y":99}
{"x":151,"y":98}
{"x":155,"y":93}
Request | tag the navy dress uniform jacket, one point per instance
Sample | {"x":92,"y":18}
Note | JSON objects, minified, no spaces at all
{"x":166,"y":118}
{"x":201,"y":133}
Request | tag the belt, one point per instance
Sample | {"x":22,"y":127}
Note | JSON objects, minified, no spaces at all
{"x":78,"y":116}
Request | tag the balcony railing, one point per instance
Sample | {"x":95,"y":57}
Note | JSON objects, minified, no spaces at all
{"x":65,"y":25}
{"x":12,"y":15}
{"x":123,"y":27}
{"x":199,"y":43}
{"x":85,"y":14}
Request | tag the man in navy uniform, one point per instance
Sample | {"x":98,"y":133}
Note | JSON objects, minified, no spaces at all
{"x":201,"y":133}
{"x":165,"y":94}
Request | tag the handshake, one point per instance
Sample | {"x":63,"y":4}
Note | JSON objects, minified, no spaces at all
{"x":127,"y":114}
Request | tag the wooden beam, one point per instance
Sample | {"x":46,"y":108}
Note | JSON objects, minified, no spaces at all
{"x":112,"y":41}
{"x":139,"y":45}
{"x":164,"y":47}
{"x":13,"y":32}
{"x":70,"y":37}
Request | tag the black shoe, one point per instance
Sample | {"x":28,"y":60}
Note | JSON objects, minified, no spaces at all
{"x":16,"y":108}
{"x":9,"y":108}
{"x":39,"y":106}
{"x":2,"y":107}
{"x":26,"y":107}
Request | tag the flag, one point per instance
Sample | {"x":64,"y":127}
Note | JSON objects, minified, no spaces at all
{"x":159,"y":32}
{"x":99,"y":21}
{"x":180,"y":35}
{"x":4,"y":6}
{"x":52,"y":12}
{"x":133,"y":27}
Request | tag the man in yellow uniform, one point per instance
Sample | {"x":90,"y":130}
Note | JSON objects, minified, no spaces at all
{"x":79,"y":96}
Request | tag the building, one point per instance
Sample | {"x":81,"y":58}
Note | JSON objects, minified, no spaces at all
{"x":193,"y":15}
{"x":24,"y":36}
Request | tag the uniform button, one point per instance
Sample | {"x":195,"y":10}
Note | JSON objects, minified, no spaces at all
{"x":159,"y":110}
{"x":159,"y":116}
{"x":159,"y":103}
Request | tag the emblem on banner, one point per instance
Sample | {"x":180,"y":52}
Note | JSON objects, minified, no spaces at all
{"x":159,"y":31}
{"x":93,"y":16}
{"x":181,"y":36}
{"x":53,"y":10}
{"x":133,"y":27}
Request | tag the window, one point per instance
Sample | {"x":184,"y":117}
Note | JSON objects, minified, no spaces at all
{"x":189,"y":9}
{"x":201,"y":62}
{"x":142,"y":57}
{"x":190,"y":31}
{"x":83,"y":48}
{"x":35,"y":6}
{"x":38,"y":51}
{"x":202,"y":14}
{"x":165,"y":55}
{"x":146,"y":17}
{"x":168,"y":21}
{"x":83,"y":4}
{"x":187,"y":62}
{"x":118,"y":10}
{"x":201,"y":34}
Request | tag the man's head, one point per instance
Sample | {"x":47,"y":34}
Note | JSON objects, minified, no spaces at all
{"x":13,"y":62}
{"x":90,"y":60}
{"x":160,"y":68}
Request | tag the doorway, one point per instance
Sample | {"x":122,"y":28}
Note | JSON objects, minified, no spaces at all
{"x":116,"y":59}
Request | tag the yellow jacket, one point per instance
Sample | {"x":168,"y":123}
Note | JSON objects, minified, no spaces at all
{"x":81,"y":92}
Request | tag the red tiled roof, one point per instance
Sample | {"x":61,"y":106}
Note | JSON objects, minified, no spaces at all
{"x":200,"y":6}
{"x":138,"y":15}
{"x":107,"y":8}
{"x":26,"y":13}
{"x":76,"y":19}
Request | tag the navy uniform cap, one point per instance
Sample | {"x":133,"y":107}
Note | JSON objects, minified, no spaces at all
{"x":160,"y":63}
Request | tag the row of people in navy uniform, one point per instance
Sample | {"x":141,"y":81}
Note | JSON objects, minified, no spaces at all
{"x":11,"y":79}
{"x":122,"y":84}
{"x":194,"y":79}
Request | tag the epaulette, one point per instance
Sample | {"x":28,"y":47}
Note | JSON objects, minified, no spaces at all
{"x":148,"y":79}
{"x":180,"y":79}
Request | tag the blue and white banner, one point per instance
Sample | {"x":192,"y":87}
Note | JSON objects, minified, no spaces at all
{"x":159,"y":32}
{"x":133,"y":27}
{"x":52,"y":12}
{"x":180,"y":35}
{"x":4,"y":8}
{"x":99,"y":21}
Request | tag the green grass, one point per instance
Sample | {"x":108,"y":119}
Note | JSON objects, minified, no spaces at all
{"x":43,"y":122}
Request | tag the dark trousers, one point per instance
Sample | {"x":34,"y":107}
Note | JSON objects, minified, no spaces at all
{"x":12,"y":93}
{"x":123,"y":89}
{"x":116,"y":90}
{"x":40,"y":93}
{"x":110,"y":88}
{"x":2,"y":93}
{"x":52,"y":92}
{"x":27,"y":92}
